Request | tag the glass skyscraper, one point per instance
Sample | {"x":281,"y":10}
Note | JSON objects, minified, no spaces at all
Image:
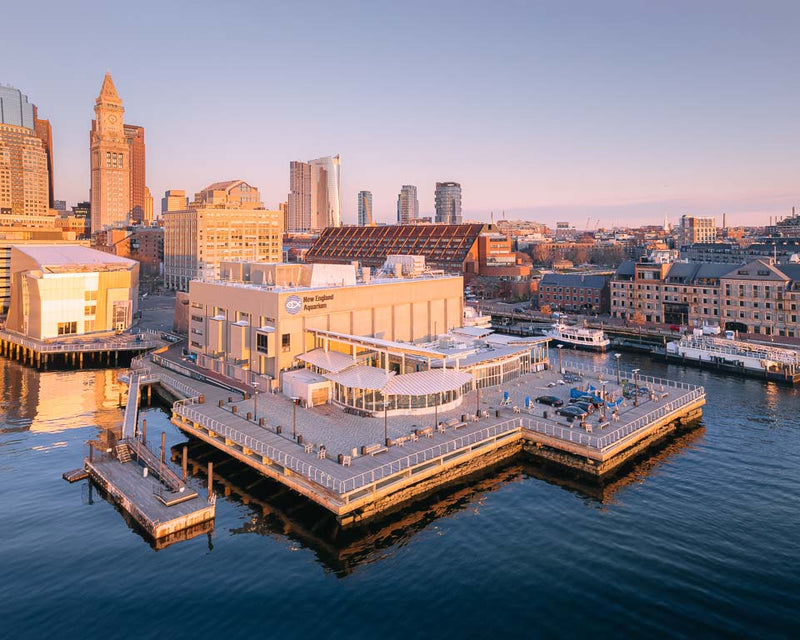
{"x":448,"y":202}
{"x":407,"y":204}
{"x":365,"y":209}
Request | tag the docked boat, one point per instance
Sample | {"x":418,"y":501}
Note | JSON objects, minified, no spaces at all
{"x":737,"y":356}
{"x":578,"y":337}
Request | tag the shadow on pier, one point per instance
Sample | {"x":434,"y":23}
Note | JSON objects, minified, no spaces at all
{"x":278,"y":511}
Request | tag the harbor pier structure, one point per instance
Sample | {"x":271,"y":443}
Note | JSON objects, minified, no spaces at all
{"x":361,"y":463}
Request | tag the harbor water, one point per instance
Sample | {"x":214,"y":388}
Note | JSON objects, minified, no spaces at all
{"x":699,"y":538}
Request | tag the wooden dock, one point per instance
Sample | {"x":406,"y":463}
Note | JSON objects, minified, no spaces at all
{"x":153,"y":494}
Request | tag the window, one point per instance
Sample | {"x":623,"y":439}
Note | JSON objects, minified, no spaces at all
{"x":286,"y":341}
{"x":89,"y":295}
{"x":67,"y":328}
{"x":261,"y":342}
{"x":90,"y":310}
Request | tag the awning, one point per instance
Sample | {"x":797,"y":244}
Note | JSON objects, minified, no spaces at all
{"x":330,"y":361}
{"x":362,"y":377}
{"x":422,"y":383}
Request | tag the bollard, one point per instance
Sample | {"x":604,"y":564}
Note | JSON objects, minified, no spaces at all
{"x":235,"y":409}
{"x":340,"y":458}
{"x":299,"y":439}
{"x":278,"y":429}
{"x":201,"y":399}
{"x":221,"y":402}
{"x":261,"y":422}
{"x":363,"y":450}
{"x":249,"y":416}
{"x":497,"y":413}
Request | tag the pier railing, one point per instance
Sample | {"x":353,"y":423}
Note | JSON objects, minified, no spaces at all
{"x":43,"y":346}
{"x":310,"y":471}
{"x":610,"y":373}
{"x":437,"y":451}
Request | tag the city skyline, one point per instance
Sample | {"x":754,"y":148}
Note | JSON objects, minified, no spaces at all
{"x":558,"y":113}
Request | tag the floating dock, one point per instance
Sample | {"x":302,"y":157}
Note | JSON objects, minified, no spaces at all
{"x":339,"y":460}
{"x":145,"y":487}
{"x":750,"y":359}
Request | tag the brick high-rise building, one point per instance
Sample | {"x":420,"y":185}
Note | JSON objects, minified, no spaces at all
{"x":314,"y":194}
{"x":44,"y":132}
{"x":117,"y":157}
{"x":25,"y":195}
{"x":134,"y":136}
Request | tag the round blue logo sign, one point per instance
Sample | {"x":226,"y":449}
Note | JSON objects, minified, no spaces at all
{"x":293,"y":304}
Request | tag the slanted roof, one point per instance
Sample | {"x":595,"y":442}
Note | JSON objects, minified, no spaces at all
{"x":66,"y":257}
{"x":627,"y":268}
{"x":756,"y":270}
{"x":330,"y":361}
{"x":573,"y":280}
{"x":362,"y":377}
{"x":222,"y":186}
{"x":108,"y":92}
{"x":422,"y":383}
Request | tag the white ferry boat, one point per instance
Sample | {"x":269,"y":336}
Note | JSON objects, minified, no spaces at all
{"x":578,"y":337}
{"x":738,"y":356}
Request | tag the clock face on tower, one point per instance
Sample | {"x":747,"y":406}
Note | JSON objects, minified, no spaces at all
{"x":112,"y":119}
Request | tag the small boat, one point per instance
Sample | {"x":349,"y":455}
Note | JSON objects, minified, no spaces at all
{"x":579,"y":337}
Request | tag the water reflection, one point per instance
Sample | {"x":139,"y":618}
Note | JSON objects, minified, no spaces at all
{"x":53,"y":401}
{"x":276,"y":511}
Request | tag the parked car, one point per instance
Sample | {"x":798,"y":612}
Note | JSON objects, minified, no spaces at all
{"x":588,"y":407}
{"x":553,"y":401}
{"x":572,"y":411}
{"x":593,"y":400}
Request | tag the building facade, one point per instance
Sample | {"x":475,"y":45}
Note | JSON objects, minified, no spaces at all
{"x":225,"y":221}
{"x":365,"y":209}
{"x":447,"y":200}
{"x":264,"y":321}
{"x":64,"y":290}
{"x":134,"y":137}
{"x":574,"y":292}
{"x":407,"y":205}
{"x":24,"y":178}
{"x":757,"y":298}
{"x":314,"y":194}
{"x":694,"y":229}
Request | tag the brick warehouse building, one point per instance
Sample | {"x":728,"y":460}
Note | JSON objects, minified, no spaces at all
{"x":467,"y":249}
{"x":575,"y":292}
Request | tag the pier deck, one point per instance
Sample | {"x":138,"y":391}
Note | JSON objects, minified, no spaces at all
{"x":155,"y":502}
{"x":357,"y":485}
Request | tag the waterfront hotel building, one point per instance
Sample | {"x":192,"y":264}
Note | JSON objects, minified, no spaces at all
{"x":324,"y":332}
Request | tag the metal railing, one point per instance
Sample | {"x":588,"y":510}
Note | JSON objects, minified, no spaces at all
{"x":436,"y":451}
{"x":309,"y":471}
{"x":76,"y":347}
{"x":610,"y":374}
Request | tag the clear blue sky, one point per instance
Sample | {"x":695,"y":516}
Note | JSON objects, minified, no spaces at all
{"x":622,"y":111}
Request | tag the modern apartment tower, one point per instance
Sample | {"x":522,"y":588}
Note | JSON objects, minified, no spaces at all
{"x":448,"y":202}
{"x":365,"y":209}
{"x":117,"y":156}
{"x":314,"y":194}
{"x":25,"y":156}
{"x":407,"y":205}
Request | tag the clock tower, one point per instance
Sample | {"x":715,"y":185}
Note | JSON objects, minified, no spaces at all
{"x":110,"y":161}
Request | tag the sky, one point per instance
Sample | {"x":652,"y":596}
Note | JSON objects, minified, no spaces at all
{"x":619,"y":113}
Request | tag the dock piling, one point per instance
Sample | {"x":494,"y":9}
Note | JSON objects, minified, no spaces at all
{"x":163,"y":446}
{"x":210,"y":480}
{"x":183,"y":461}
{"x":144,"y":431}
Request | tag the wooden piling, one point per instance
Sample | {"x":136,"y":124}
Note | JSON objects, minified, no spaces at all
{"x":144,"y":431}
{"x":210,"y":479}
{"x":163,"y":446}
{"x":184,"y":461}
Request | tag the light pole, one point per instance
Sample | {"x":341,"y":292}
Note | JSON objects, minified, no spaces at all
{"x":255,"y":400}
{"x":294,"y":417}
{"x":385,"y":422}
{"x":560,"y":361}
{"x":603,"y":398}
{"x":619,"y":378}
{"x":477,"y":401}
{"x":635,"y":387}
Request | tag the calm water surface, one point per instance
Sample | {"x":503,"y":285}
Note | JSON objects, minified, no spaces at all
{"x":699,"y":539}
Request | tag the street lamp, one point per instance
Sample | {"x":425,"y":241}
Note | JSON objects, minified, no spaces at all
{"x":635,"y":387}
{"x":560,"y":361}
{"x":255,"y":398}
{"x":603,"y":398}
{"x":294,"y":417}
{"x":619,"y":379}
{"x":385,"y":422}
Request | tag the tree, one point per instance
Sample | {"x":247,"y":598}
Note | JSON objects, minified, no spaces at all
{"x":545,"y":310}
{"x":638,"y":321}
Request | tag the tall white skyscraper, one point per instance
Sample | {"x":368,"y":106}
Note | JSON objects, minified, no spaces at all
{"x":448,"y":202}
{"x":365,"y":209}
{"x":407,"y":204}
{"x":314,"y":194}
